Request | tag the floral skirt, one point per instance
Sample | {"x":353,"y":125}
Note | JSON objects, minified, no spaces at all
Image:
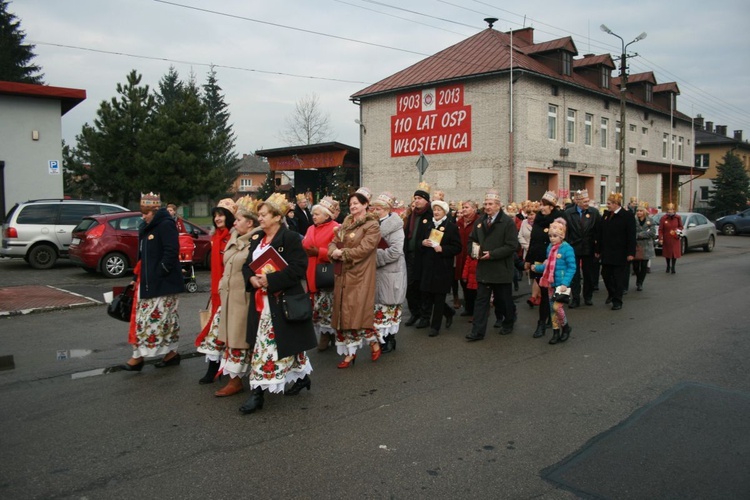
{"x":157,"y":326}
{"x":235,"y":362}
{"x":348,"y":341}
{"x":211,"y":346}
{"x":266,"y":369}
{"x":323,"y":312}
{"x":387,"y":320}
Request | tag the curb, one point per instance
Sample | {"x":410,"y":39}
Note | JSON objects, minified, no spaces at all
{"x":23,"y":312}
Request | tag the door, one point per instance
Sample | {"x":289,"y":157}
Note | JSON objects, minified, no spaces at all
{"x":538,"y":185}
{"x":71,"y":215}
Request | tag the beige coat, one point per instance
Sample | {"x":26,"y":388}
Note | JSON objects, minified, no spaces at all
{"x":354,"y":289}
{"x":234,"y":299}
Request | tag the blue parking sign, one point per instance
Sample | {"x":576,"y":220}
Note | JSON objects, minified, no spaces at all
{"x":54,"y":167}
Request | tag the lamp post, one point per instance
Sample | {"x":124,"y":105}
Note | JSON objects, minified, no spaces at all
{"x":623,"y":89}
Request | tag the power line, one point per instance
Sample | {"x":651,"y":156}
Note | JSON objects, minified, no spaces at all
{"x":399,"y":17}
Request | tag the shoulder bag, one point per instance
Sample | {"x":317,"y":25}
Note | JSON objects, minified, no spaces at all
{"x":122,"y":305}
{"x":324,"y":276}
{"x":297,"y":308}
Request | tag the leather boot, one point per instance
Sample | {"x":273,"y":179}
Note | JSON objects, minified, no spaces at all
{"x":213,"y":369}
{"x":324,"y":341}
{"x":565,"y":333}
{"x":390,"y":344}
{"x":254,"y":402}
{"x":233,"y":387}
{"x":541,"y":328}
{"x":555,"y":337}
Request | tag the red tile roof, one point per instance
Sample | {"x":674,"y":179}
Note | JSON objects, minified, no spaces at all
{"x":667,"y":87}
{"x":553,"y":45}
{"x":593,"y":60}
{"x":69,"y":98}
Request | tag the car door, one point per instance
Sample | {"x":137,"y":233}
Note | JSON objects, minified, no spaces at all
{"x":701,"y":229}
{"x":127,"y":235}
{"x":70,"y":215}
{"x":743,"y":221}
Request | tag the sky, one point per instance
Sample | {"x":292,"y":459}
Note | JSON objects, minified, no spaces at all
{"x":270,"y":54}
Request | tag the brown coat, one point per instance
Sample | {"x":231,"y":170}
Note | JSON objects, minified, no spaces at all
{"x":234,"y":299}
{"x":354,"y":288}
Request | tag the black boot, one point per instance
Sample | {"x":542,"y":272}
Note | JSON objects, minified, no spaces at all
{"x":565,"y":333}
{"x":541,"y":328}
{"x":668,"y":267}
{"x":254,"y":402}
{"x":674,"y":263}
{"x":213,"y":369}
{"x":555,"y":337}
{"x":300,"y":384}
{"x":390,"y":344}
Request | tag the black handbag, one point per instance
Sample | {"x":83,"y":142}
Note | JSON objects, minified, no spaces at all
{"x":324,"y":276}
{"x":297,"y":307}
{"x":122,"y":305}
{"x":560,"y":296}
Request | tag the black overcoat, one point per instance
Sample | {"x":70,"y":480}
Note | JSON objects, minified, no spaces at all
{"x":422,"y":227}
{"x":582,"y":231}
{"x":437,"y":267}
{"x":291,"y":338}
{"x":539,"y":239}
{"x":617,"y":238}
{"x":158,"y":251}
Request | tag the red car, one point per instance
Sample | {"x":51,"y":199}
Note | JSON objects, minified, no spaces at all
{"x":108,"y":243}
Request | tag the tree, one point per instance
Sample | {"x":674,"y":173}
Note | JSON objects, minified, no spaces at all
{"x":221,"y":139}
{"x":732,"y":186}
{"x":16,"y":56}
{"x":338,"y":186}
{"x":268,"y":187}
{"x":308,"y":124}
{"x":113,"y":146}
{"x":77,"y":183}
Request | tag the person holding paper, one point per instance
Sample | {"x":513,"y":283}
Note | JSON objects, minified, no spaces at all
{"x":438,"y":253}
{"x":274,"y":270}
{"x":353,"y":248}
{"x":469,"y":215}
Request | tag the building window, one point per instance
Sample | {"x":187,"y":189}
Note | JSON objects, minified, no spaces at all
{"x":605,"y":77}
{"x":631,"y":151}
{"x":664,"y":141}
{"x":603,"y":130}
{"x":644,"y":152}
{"x":644,"y":130}
{"x":589,"y":130}
{"x":632,"y":127}
{"x":674,"y":140}
{"x":704,"y":195}
{"x":701,"y":160}
{"x":567,"y":63}
{"x":571,"y":126}
{"x":618,"y":136}
{"x":552,"y":122}
{"x":649,"y":92}
{"x":245,"y":184}
{"x":680,"y":148}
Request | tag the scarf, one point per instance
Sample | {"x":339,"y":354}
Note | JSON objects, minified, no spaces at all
{"x":548,"y":276}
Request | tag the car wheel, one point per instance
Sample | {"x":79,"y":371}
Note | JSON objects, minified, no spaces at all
{"x":729,"y":229}
{"x":683,"y":246}
{"x":708,"y":247}
{"x":207,"y":260}
{"x":114,"y":265}
{"x":42,"y":256}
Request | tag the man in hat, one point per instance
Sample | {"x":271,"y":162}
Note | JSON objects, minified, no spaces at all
{"x":302,"y":215}
{"x":583,"y":227}
{"x":416,"y":228}
{"x":616,"y":248}
{"x":494,"y":241}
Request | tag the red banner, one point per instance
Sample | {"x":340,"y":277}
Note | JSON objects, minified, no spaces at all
{"x":432,"y":121}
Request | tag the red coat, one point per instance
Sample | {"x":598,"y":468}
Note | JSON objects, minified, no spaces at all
{"x":219,"y":242}
{"x":464,"y":230}
{"x":668,"y":227}
{"x":470,"y":273}
{"x":317,"y":237}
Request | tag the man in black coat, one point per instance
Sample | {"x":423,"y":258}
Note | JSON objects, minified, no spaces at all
{"x":416,"y":228}
{"x":302,"y":215}
{"x":616,"y":248}
{"x":583,"y":227}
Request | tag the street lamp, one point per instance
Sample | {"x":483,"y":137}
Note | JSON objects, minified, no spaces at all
{"x":623,"y":88}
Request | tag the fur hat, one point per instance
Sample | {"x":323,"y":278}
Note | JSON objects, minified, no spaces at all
{"x":150,"y":202}
{"x":441,"y":204}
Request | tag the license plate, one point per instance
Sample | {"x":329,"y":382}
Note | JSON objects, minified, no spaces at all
{"x":75,"y":241}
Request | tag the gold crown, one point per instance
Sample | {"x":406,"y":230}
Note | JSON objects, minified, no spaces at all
{"x":247,"y":205}
{"x":492,"y":194}
{"x":643,"y":205}
{"x":301,"y":197}
{"x":385,"y":199}
{"x":582,"y":194}
{"x":278,"y":202}
{"x":550,"y":197}
{"x":615,"y":197}
{"x":423,"y":186}
{"x":365,"y":192}
{"x":150,"y":202}
{"x":228,"y":204}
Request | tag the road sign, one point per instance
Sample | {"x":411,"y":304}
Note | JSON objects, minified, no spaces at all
{"x":422,"y":165}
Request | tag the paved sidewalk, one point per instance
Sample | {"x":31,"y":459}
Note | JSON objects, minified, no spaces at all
{"x":26,"y":299}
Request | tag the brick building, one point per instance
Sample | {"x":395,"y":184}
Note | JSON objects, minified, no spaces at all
{"x":555,"y":128}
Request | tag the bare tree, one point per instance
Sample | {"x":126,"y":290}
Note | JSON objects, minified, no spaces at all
{"x":308,"y":124}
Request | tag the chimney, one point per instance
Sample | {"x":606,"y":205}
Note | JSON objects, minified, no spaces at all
{"x":709,"y":126}
{"x":721,"y":129}
{"x":738,"y":135}
{"x":698,"y":122}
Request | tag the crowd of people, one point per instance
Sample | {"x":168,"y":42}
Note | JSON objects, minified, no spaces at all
{"x":286,"y":278}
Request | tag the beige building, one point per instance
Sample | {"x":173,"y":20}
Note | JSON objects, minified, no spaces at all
{"x":557,"y":127}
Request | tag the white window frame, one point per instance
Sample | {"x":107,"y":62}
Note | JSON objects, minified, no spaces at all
{"x":570,"y":129}
{"x":552,"y":122}
{"x":618,"y":138}
{"x":664,"y":143}
{"x":589,"y":129}
{"x":680,"y":148}
{"x":604,"y":130}
{"x":245,"y":184}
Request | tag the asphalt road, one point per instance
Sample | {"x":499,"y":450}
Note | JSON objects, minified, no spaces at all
{"x":438,"y":418}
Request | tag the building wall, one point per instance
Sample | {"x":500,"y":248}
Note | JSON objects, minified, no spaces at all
{"x":467,"y":175}
{"x":27,"y":161}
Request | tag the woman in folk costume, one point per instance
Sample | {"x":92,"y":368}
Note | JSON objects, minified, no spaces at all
{"x":390,"y":276}
{"x":223,"y":218}
{"x":645,"y":233}
{"x":155,"y":322}
{"x":524,"y":238}
{"x":466,"y":267}
{"x":316,"y":242}
{"x":231,"y":328}
{"x":558,"y":271}
{"x":670,"y":233}
{"x":278,"y":345}
{"x":353,"y":248}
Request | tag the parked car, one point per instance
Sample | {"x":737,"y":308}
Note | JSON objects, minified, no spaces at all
{"x":697,"y":231}
{"x":109,"y":243}
{"x":40,"y":231}
{"x":734,"y":224}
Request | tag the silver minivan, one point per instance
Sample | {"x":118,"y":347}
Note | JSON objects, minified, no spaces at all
{"x":40,"y":231}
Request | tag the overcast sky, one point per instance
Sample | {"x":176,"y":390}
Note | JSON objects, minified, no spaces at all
{"x":266,"y":62}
